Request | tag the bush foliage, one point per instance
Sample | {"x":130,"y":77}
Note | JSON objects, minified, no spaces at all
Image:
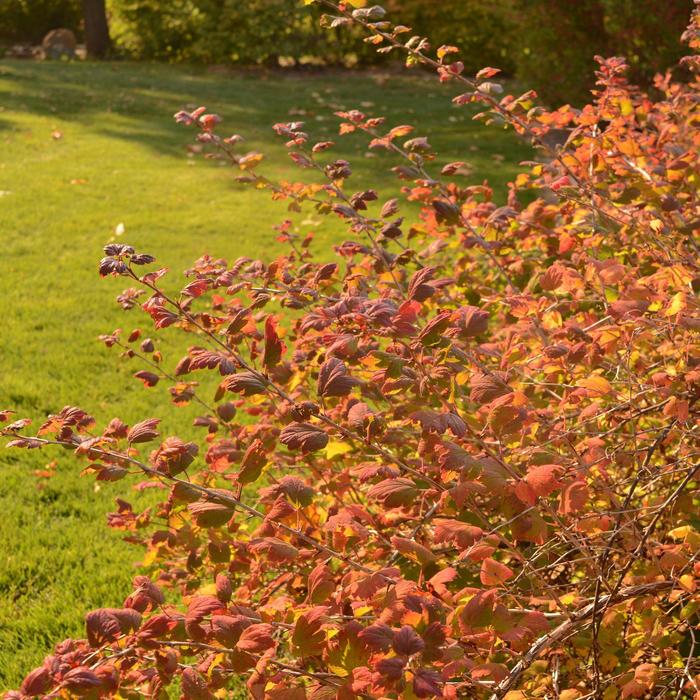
{"x":267,"y":31}
{"x":30,"y":20}
{"x":208,"y":31}
{"x":553,"y":43}
{"x":457,"y":458}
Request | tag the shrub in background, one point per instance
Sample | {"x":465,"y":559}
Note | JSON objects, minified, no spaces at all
{"x":230,"y":31}
{"x":646,"y":33}
{"x":263,"y":31}
{"x":149,"y":29}
{"x":456,"y":458}
{"x":481,"y":28}
{"x":553,"y":42}
{"x":30,"y":20}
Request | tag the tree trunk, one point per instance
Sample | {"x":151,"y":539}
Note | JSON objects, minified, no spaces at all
{"x":96,"y":29}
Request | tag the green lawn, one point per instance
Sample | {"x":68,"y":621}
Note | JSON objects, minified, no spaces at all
{"x":121,"y":160}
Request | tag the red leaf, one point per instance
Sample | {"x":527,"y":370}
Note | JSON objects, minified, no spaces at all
{"x":256,"y":638}
{"x":304,"y":437}
{"x":407,"y":642}
{"x":493,"y":573}
{"x":101,"y":627}
{"x":479,"y":610}
{"x":202,"y":605}
{"x":378,"y":637}
{"x":441,"y":578}
{"x":486,"y":73}
{"x":487,"y":387}
{"x":275,"y":549}
{"x":174,"y":456}
{"x":253,"y":461}
{"x":196,"y":288}
{"x":394,"y":492}
{"x":320,"y":583}
{"x":144,"y":431}
{"x":426,"y":683}
{"x":246,"y":383}
{"x":413,"y":550}
{"x":227,"y":629}
{"x":538,"y":482}
{"x":333,"y":378}
{"x":456,"y":532}
{"x":208,"y":514}
{"x":391,"y":668}
{"x":107,"y":624}
{"x":433,"y":331}
{"x":224,"y":590}
{"x":81,"y":679}
{"x":470,"y":321}
{"x":116,"y":429}
{"x":574,"y":497}
{"x":37,"y":682}
{"x":156,"y":627}
{"x":419,"y":288}
{"x":274,"y":347}
{"x":194,"y":685}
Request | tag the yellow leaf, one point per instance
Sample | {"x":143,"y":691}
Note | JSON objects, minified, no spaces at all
{"x":687,"y":583}
{"x":680,"y":533}
{"x":692,"y":537}
{"x":569,"y":694}
{"x":626,"y":107}
{"x":596,"y":385}
{"x":678,"y":304}
{"x":552,"y":320}
{"x":250,"y":160}
{"x":333,"y":449}
{"x":150,"y":557}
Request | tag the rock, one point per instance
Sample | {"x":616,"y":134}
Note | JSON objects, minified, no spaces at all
{"x":58,"y":43}
{"x":23,"y":51}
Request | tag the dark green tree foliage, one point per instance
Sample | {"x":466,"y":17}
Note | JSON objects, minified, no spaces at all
{"x":554,"y":42}
{"x":263,"y":31}
{"x":231,"y":31}
{"x":30,"y":20}
{"x":481,"y":28}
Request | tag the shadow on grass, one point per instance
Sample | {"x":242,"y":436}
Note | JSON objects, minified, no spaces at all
{"x":116,"y":99}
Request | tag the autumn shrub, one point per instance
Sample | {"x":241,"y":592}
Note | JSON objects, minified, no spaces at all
{"x":455,"y":457}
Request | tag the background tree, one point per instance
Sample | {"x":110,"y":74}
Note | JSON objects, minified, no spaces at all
{"x":96,"y":28}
